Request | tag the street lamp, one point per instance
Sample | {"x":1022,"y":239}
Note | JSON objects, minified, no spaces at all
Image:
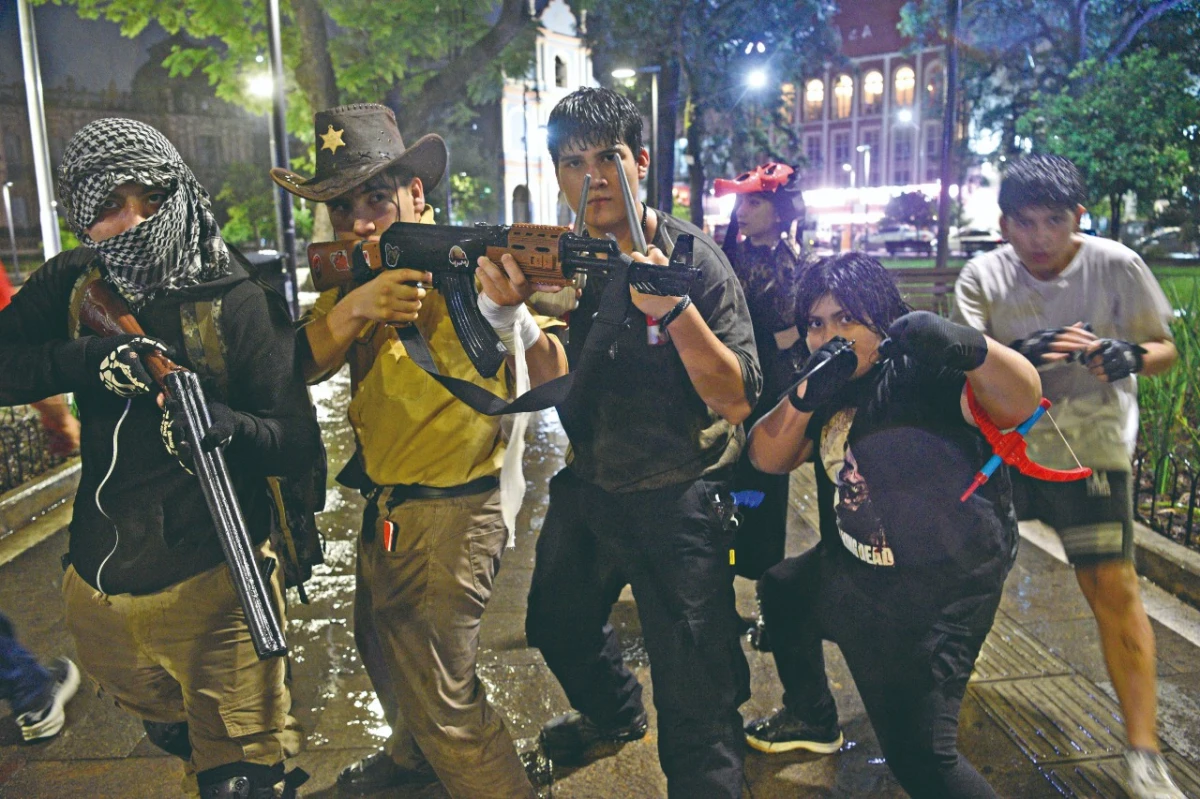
{"x":626,"y":73}
{"x":865,"y":149}
{"x":849,"y":168}
{"x":12,"y":229}
{"x":756,"y":78}
{"x":262,"y":86}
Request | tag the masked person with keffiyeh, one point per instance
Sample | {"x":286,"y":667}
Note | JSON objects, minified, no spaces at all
{"x":149,"y":600}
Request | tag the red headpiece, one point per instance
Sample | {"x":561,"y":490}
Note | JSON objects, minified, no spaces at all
{"x":767,"y":177}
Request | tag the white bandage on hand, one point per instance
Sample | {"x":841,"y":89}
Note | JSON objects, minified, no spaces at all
{"x":509,"y":322}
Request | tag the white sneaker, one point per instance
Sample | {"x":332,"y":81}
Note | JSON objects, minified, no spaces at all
{"x":1148,"y":776}
{"x":46,"y":722}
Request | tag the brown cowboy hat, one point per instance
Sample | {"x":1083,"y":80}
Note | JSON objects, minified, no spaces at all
{"x":357,"y":142}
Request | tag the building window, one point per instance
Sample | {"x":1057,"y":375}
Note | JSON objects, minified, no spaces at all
{"x":814,"y":100}
{"x":906,"y":81}
{"x":872,"y":101}
{"x":842,"y":157}
{"x":935,"y":87}
{"x":843,"y":97}
{"x":560,"y":72}
{"x":872,"y":157}
{"x":933,"y":153}
{"x":787,"y":102}
{"x":902,"y":156}
{"x":813,"y":154}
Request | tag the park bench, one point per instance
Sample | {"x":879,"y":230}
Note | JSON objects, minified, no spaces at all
{"x":927,"y":289}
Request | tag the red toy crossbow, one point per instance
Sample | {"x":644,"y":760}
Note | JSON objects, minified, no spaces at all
{"x":1010,"y":448}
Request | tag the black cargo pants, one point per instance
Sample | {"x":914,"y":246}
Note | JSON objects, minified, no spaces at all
{"x":672,"y":547}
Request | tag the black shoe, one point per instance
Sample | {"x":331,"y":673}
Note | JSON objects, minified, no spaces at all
{"x":378,"y":771}
{"x":567,"y":738}
{"x":785,"y":731}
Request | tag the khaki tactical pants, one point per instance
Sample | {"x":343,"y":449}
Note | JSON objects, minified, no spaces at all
{"x":417,"y":614}
{"x":185,"y":654}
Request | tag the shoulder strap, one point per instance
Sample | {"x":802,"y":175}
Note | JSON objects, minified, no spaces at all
{"x":201,"y":325}
{"x":88,"y":277}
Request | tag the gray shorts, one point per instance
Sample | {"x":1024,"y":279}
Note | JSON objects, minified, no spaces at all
{"x":1093,"y":517}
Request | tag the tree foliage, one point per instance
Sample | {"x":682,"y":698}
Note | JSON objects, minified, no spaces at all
{"x":1014,"y":49}
{"x":701,"y":49}
{"x":421,"y":59}
{"x":911,"y":208}
{"x":1130,"y":126}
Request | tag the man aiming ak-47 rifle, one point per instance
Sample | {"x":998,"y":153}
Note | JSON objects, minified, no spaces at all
{"x":427,"y":464}
{"x":150,"y":600}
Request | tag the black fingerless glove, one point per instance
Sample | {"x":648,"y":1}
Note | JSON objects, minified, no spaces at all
{"x":1036,"y":346}
{"x":935,"y":342}
{"x":227,"y":424}
{"x":823,"y":375}
{"x":1119,"y":359}
{"x":117,"y":361}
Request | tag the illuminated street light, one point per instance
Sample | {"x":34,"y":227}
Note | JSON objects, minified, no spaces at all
{"x":904,"y":115}
{"x":261,"y":85}
{"x":625,"y":73}
{"x":756,"y":79}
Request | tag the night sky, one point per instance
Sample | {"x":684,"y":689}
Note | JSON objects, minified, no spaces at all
{"x":93,"y":53}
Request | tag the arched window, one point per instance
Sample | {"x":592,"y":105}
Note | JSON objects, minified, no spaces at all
{"x":843,"y":96}
{"x":522,"y":204}
{"x":935,"y":86}
{"x":906,"y":81}
{"x":560,"y":72}
{"x":872,"y":99}
{"x":814,"y":100}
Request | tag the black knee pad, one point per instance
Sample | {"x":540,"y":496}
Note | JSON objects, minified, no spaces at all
{"x":172,"y":738}
{"x":249,"y":781}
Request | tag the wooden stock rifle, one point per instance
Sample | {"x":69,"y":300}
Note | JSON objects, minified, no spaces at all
{"x":547,"y":255}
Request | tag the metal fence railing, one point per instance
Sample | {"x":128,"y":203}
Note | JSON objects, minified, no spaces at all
{"x":24,"y":447}
{"x":1165,"y":497}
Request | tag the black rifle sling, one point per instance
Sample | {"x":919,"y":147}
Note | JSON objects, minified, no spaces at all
{"x":609,"y":320}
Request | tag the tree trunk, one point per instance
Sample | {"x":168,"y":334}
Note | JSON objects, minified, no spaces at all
{"x":664,"y":148}
{"x":450,"y":82}
{"x":695,"y":136}
{"x":1115,"y":202}
{"x":314,"y":73}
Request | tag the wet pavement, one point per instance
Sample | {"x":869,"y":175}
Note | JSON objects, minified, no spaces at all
{"x":1039,"y":720}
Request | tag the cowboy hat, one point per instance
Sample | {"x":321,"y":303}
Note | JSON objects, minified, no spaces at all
{"x":357,"y":142}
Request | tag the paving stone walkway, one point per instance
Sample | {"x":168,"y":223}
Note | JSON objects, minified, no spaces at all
{"x":1039,"y":720}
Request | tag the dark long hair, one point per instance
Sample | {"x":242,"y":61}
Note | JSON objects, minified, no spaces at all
{"x":860,"y":285}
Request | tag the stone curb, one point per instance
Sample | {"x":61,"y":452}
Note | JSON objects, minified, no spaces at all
{"x":1173,"y":567}
{"x":28,"y":501}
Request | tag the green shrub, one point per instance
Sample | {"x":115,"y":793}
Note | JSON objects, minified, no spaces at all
{"x":1170,"y":402}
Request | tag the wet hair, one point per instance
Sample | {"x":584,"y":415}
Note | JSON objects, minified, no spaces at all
{"x":1045,"y":181}
{"x":591,"y":117}
{"x":860,"y":285}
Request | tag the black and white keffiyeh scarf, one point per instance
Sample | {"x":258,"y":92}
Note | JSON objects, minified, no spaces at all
{"x":179,"y":246}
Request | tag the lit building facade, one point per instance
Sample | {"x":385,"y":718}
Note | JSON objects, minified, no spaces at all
{"x":562,"y":64}
{"x":870,"y":126}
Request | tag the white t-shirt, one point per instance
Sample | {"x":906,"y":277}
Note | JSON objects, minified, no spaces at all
{"x":1106,"y":285}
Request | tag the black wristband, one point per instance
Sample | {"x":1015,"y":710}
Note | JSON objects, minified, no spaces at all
{"x":672,"y":314}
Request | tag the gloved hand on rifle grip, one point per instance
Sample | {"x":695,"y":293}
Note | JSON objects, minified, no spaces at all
{"x":226,"y":425}
{"x":935,"y":342}
{"x":828,"y":369}
{"x":117,"y":362}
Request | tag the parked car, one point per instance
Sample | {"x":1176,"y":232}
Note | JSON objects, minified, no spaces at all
{"x":895,"y":238}
{"x":972,"y":240}
{"x":1167,"y":242}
